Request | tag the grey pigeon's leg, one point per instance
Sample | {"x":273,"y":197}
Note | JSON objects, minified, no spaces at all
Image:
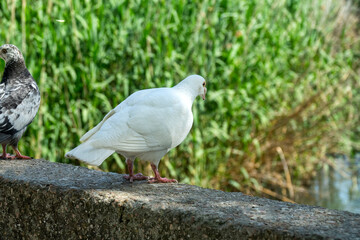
{"x":5,"y":155}
{"x":18,"y":155}
{"x":157,"y":178}
{"x":131,"y":176}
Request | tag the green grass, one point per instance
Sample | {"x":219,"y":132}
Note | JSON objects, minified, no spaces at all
{"x":281,"y":77}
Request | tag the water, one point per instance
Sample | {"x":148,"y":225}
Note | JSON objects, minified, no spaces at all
{"x":336,"y":186}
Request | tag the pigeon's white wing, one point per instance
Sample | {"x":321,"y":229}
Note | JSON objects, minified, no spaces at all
{"x":143,"y":122}
{"x":91,"y":132}
{"x":18,"y":107}
{"x":94,"y":130}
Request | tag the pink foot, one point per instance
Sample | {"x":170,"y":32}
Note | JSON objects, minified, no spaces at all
{"x":162,"y":180}
{"x":157,"y":178}
{"x":136,"y":177}
{"x":22,"y":157}
{"x":7,"y":156}
{"x":18,"y":154}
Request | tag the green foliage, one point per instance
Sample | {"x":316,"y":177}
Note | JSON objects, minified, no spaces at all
{"x":280,"y":74}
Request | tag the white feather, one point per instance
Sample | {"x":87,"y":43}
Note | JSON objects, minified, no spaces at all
{"x":87,"y":135}
{"x":86,"y":152}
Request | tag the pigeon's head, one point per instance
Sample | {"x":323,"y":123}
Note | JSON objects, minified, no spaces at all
{"x":10,"y":53}
{"x":196,"y":83}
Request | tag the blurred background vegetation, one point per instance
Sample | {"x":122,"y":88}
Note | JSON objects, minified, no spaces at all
{"x":283,"y":81}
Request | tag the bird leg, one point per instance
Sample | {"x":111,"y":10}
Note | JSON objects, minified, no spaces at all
{"x":131,"y":177}
{"x":5,"y":155}
{"x":18,"y":154}
{"x":157,"y":178}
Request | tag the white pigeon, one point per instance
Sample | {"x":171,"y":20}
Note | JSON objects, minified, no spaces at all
{"x":146,"y":125}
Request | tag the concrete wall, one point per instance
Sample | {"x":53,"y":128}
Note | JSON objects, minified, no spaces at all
{"x":44,"y":200}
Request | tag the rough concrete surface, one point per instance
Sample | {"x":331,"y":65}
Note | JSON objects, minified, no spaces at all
{"x":45,"y":200}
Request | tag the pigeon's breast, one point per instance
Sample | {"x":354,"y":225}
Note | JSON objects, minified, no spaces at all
{"x":180,"y":125}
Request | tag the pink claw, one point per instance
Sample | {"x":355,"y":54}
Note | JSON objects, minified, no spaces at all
{"x":7,"y":156}
{"x":162,"y":180}
{"x":136,"y":177}
{"x":158,"y":179}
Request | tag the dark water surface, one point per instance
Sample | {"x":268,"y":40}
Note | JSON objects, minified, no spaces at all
{"x":336,"y":186}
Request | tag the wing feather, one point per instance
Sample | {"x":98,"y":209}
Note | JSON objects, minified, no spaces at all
{"x":139,"y":124}
{"x":18,"y":108}
{"x":91,"y":132}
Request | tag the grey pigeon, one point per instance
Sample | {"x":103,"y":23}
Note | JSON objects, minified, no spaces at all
{"x":19,"y":100}
{"x":146,"y":125}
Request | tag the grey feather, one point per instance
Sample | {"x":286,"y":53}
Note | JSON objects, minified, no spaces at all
{"x":19,"y":96}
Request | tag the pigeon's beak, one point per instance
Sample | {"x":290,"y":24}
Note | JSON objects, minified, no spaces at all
{"x":203,"y":95}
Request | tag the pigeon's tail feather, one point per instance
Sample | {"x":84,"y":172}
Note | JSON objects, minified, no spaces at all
{"x":91,"y":132}
{"x":89,"y":154}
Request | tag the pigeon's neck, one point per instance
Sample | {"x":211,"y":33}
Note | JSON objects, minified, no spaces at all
{"x":187,"y":91}
{"x":13,"y":69}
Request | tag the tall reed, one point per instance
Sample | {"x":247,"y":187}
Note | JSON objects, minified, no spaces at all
{"x":283,"y":83}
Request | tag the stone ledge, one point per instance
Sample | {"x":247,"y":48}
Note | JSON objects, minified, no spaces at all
{"x":44,"y":200}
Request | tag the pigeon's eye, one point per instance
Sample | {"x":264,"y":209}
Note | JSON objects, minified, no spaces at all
{"x":4,"y":51}
{"x":204,"y":84}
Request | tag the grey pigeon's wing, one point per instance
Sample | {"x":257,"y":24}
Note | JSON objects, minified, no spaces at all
{"x":3,"y":136}
{"x":18,"y":107}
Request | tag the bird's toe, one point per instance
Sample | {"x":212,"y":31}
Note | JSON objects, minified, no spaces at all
{"x":162,"y":180}
{"x":136,"y":177}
